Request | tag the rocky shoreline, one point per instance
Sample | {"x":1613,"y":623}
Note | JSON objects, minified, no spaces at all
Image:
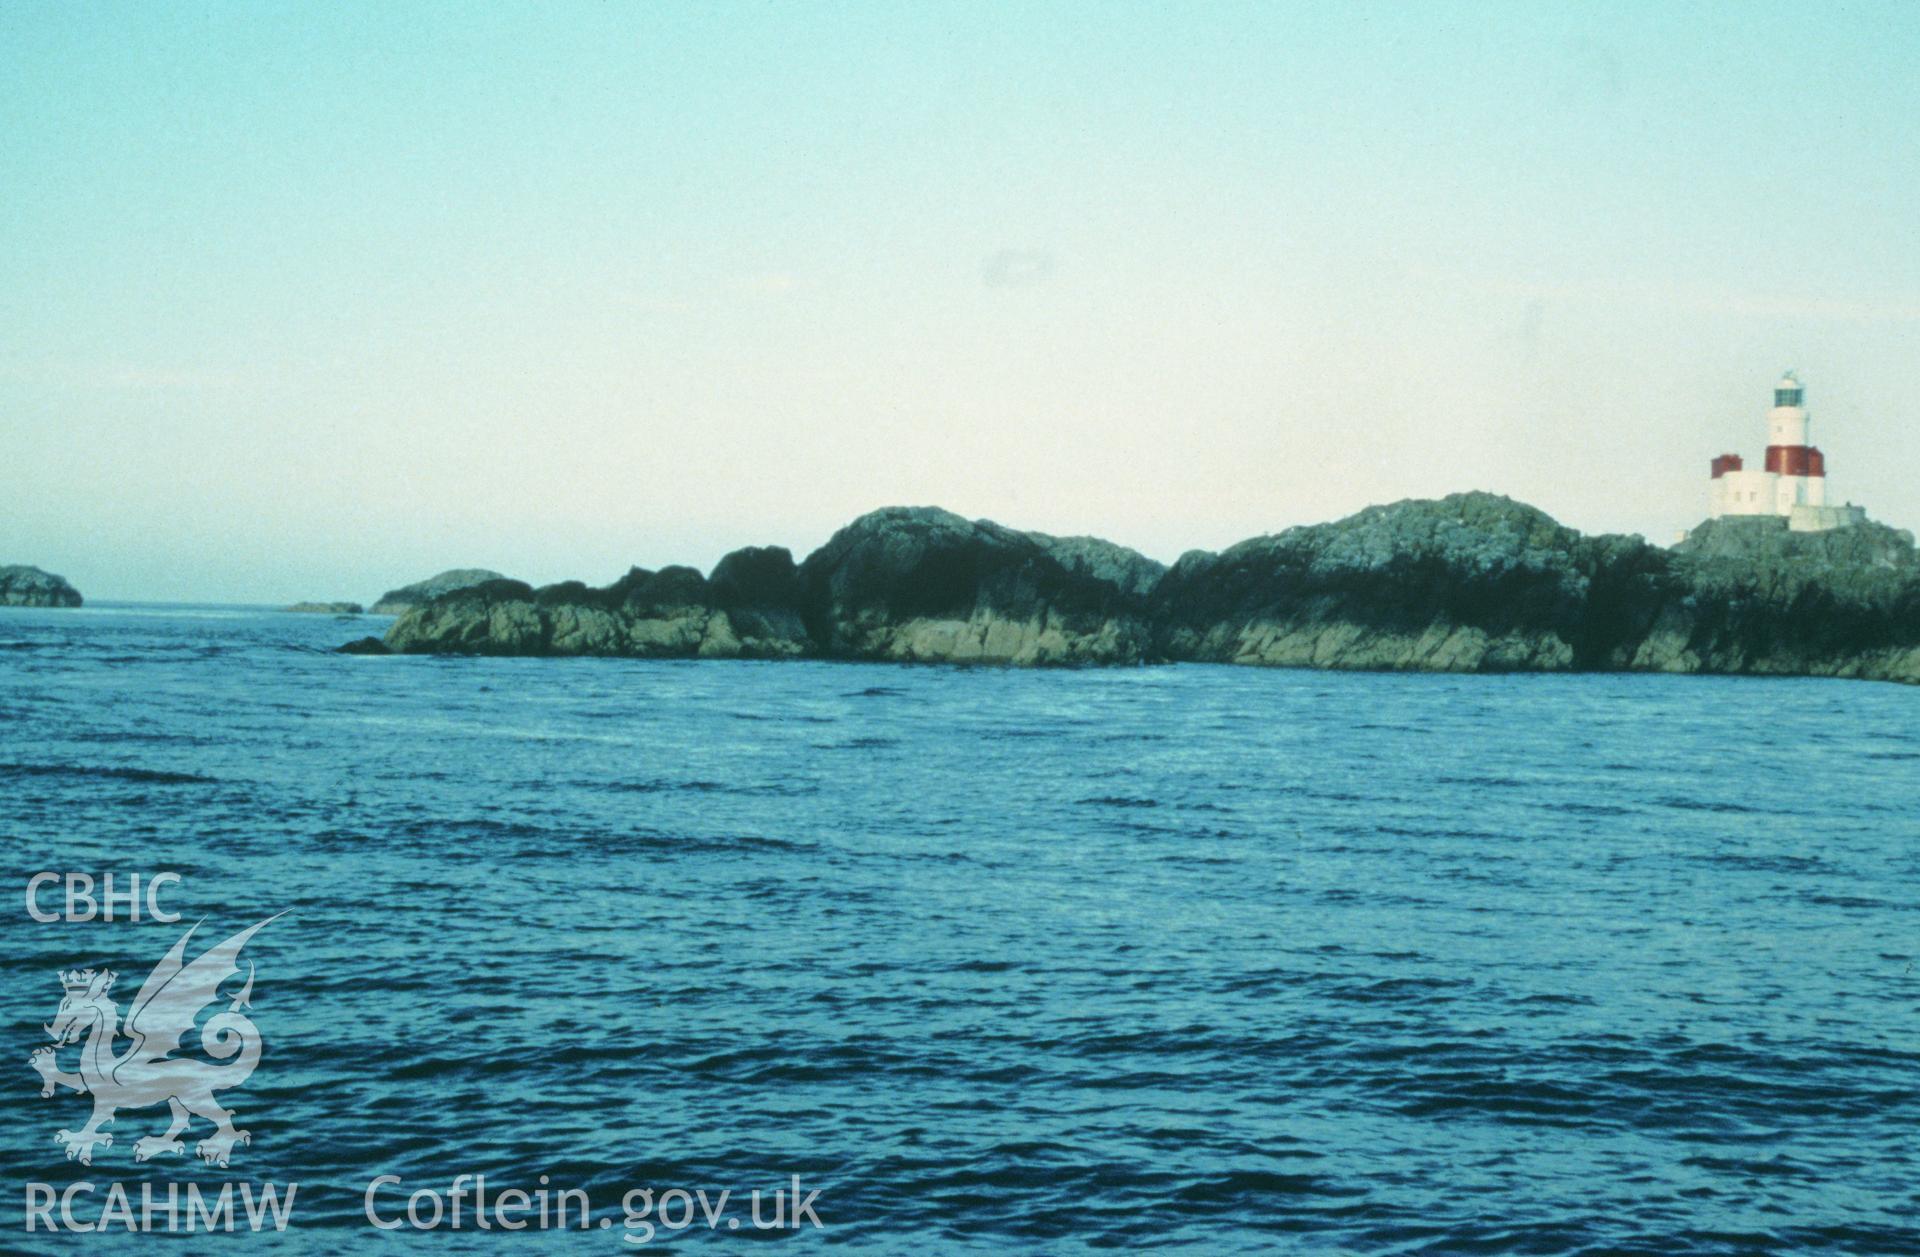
{"x":1469,"y":583}
{"x":23,"y":586}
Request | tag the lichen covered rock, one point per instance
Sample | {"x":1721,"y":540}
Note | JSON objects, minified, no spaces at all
{"x":1760,"y":599}
{"x":919,"y":584}
{"x":1468,"y":583}
{"x":398,"y":601}
{"x":23,"y":586}
{"x":671,"y":613}
{"x":327,"y":608}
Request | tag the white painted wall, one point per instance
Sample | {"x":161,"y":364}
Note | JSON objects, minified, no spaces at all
{"x":1787,"y":492}
{"x":1821,"y":518}
{"x":1748,"y":492}
{"x":1787,"y":425}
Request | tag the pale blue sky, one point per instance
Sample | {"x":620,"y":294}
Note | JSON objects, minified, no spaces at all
{"x":309,"y":301}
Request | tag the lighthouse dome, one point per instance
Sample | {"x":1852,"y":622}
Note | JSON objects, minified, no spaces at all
{"x":1789,"y":391}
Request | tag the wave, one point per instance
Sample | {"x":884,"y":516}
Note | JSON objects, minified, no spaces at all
{"x":149,"y":776}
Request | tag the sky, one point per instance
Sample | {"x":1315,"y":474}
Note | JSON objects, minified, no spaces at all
{"x":310,"y":301}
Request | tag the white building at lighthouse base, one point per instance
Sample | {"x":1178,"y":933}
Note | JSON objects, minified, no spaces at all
{"x":1800,"y":498}
{"x":1793,"y":482}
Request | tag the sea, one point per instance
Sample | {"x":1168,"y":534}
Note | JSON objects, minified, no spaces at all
{"x":1187,"y":959}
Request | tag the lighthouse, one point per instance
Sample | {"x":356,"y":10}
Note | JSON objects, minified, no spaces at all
{"x":1792,"y":484}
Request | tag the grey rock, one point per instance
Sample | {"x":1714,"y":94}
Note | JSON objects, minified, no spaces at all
{"x":1764,"y":540}
{"x":1760,"y":599}
{"x":327,"y":608}
{"x":671,"y":613}
{"x":1474,"y":582}
{"x":1479,"y":583}
{"x":758,"y":589}
{"x":396,"y":601}
{"x":1129,"y":570}
{"x":23,"y":586}
{"x":919,"y":584}
{"x":909,"y":584}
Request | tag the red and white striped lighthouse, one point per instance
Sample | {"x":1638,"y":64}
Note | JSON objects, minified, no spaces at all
{"x":1801,"y":468}
{"x":1793,"y":483}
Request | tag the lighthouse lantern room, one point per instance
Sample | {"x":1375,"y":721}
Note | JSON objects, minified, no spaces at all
{"x":1792,"y":482}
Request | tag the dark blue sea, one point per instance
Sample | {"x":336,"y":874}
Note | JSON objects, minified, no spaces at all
{"x":1194,"y":959}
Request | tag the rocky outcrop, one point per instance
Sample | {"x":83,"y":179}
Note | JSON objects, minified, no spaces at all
{"x":906,"y":584}
{"x":919,"y":584}
{"x":746,"y":611}
{"x":327,"y":608}
{"x":1760,"y":599}
{"x":23,"y":586}
{"x":1131,"y":571}
{"x":1469,"y":583}
{"x":1764,"y":541}
{"x":1480,"y":583}
{"x":397,"y":601}
{"x":758,"y":591}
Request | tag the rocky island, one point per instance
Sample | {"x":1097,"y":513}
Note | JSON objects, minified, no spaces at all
{"x":397,"y":601}
{"x":1473,"y":582}
{"x":23,"y":586}
{"x":327,"y":608}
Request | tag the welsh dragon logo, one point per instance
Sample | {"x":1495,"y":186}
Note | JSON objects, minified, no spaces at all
{"x":148,"y":1072}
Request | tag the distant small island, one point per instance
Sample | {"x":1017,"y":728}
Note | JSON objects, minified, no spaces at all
{"x":1474,"y":582}
{"x":23,"y":586}
{"x":327,"y":608}
{"x":405,"y":598}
